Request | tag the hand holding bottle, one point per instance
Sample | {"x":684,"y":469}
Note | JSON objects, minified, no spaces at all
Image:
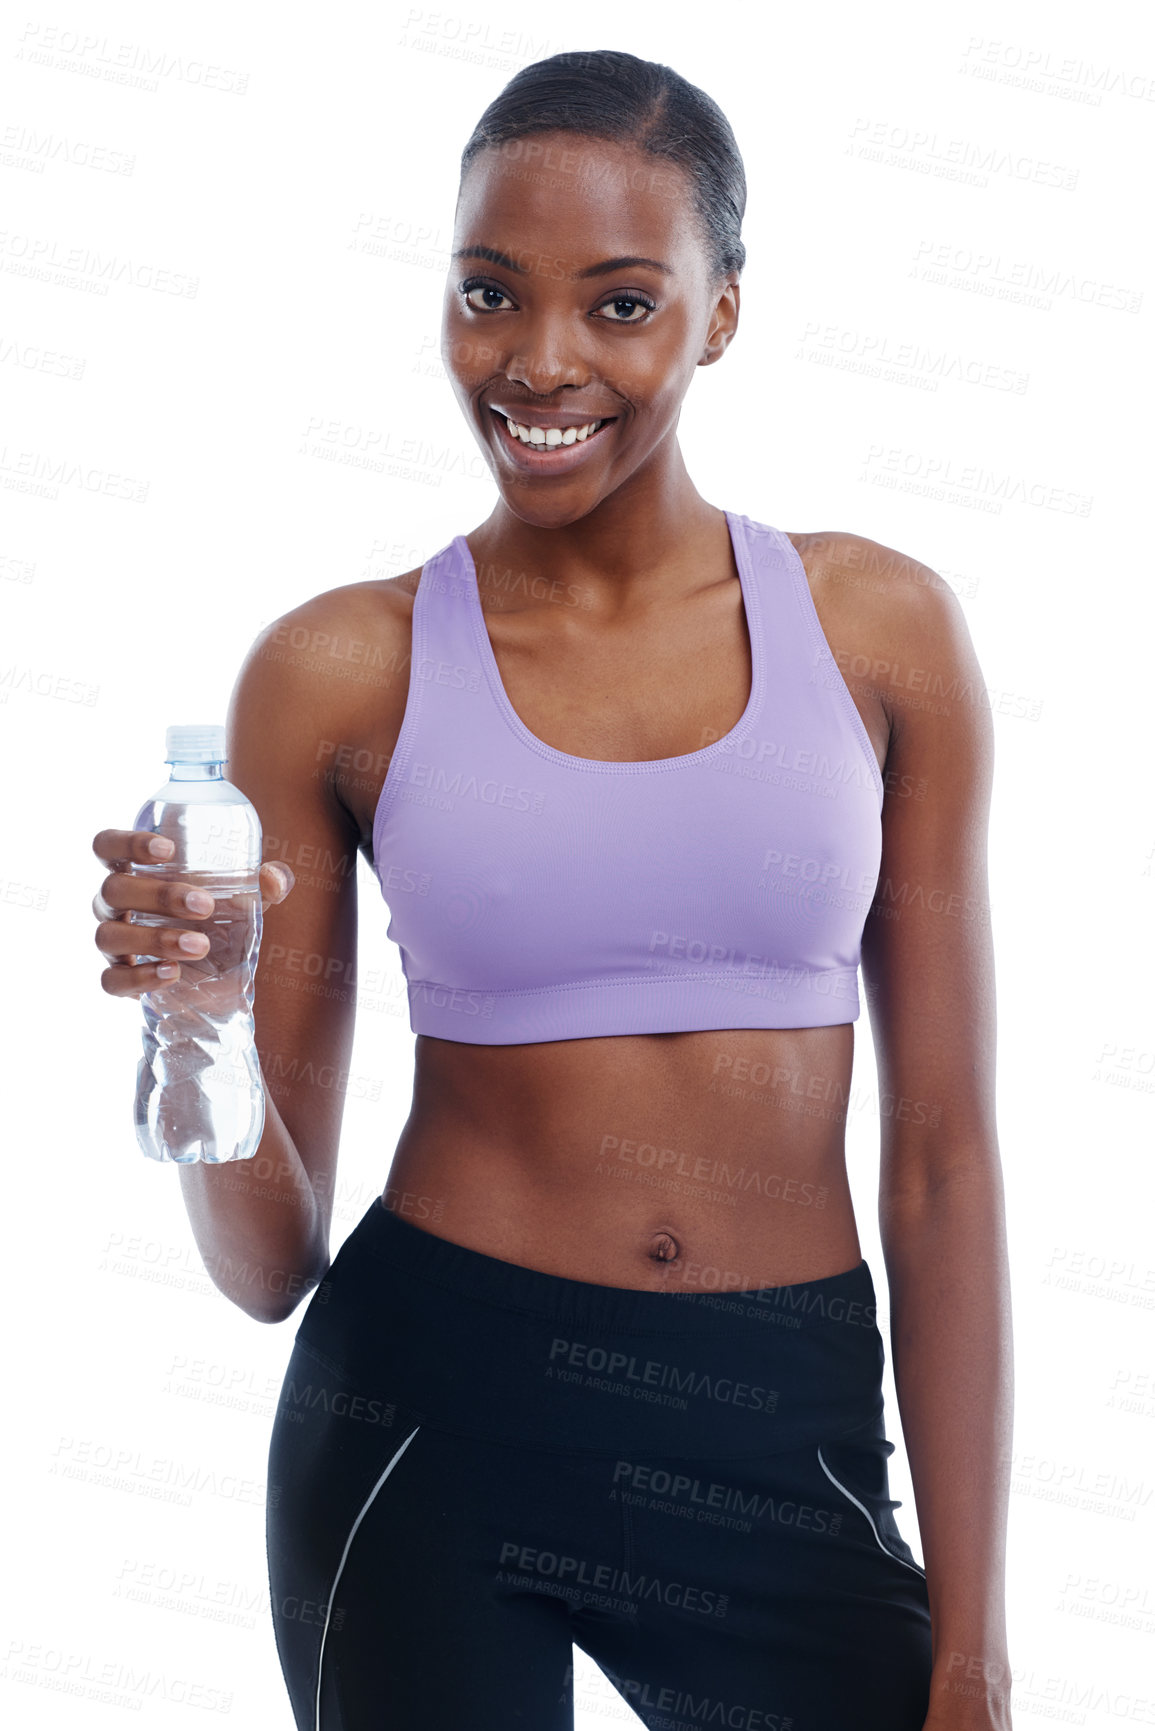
{"x":133,"y":971}
{"x":200,"y":1094}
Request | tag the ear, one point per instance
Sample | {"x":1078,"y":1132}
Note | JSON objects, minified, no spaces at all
{"x":723,"y":323}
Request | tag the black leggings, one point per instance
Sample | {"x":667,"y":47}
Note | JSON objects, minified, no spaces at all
{"x":474,"y":1464}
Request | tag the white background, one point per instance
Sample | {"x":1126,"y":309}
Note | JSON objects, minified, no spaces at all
{"x":940,"y":201}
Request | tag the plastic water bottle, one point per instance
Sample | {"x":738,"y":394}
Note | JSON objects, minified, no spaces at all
{"x":199,"y":1093}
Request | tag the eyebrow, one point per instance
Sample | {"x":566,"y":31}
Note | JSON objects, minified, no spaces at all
{"x":603,"y":269}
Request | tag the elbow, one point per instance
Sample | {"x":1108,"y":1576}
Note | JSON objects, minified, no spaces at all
{"x":269,"y":1313}
{"x":931,"y":1175}
{"x":271,"y":1295}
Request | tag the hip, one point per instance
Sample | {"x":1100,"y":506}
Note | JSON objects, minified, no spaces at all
{"x":480,"y":1346}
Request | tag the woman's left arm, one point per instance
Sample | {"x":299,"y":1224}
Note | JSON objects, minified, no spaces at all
{"x":928,"y":971}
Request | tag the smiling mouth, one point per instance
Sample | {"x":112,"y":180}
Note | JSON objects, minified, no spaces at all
{"x":547,"y":445}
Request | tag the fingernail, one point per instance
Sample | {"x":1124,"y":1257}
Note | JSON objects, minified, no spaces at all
{"x":160,"y":846}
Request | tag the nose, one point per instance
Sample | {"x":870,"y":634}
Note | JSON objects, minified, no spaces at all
{"x":548,"y":355}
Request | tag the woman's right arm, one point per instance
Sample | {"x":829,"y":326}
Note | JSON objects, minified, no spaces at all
{"x":262,"y":1225}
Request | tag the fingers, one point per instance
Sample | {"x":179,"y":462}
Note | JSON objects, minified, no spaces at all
{"x":121,"y":938}
{"x":132,"y":981}
{"x":277,"y":879}
{"x":123,"y":891}
{"x":138,"y":970}
{"x":131,"y":847}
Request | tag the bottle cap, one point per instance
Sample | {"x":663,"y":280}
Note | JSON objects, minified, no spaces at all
{"x":195,"y":744}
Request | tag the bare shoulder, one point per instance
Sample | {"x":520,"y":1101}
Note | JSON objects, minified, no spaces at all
{"x":386,"y":601}
{"x":895,"y":626}
{"x":342,"y":657}
{"x":873,"y":579}
{"x":346,"y":638}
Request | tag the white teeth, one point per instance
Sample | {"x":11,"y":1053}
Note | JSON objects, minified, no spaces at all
{"x":552,"y":435}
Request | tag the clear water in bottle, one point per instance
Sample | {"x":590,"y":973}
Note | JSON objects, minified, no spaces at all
{"x":199,"y":1093}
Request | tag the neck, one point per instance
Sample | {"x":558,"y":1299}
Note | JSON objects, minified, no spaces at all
{"x":655,"y":522}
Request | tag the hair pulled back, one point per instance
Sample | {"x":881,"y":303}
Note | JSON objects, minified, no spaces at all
{"x":604,"y":93}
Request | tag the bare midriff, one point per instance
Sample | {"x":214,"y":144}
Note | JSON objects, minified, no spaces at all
{"x":706,"y":1161}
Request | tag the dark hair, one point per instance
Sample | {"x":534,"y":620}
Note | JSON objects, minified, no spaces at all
{"x":604,"y":93}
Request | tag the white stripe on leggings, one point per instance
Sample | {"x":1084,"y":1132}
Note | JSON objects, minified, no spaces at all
{"x":870,"y":1518}
{"x":352,"y":1532}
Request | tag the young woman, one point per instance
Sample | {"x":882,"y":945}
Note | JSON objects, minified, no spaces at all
{"x":647,"y":779}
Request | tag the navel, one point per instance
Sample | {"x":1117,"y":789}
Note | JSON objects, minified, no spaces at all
{"x":664,"y":1248}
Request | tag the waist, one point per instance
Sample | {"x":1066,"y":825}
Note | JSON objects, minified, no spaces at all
{"x":482,"y":1346}
{"x":630,"y":1166}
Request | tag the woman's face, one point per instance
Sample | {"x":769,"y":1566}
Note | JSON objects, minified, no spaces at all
{"x":579,"y":292}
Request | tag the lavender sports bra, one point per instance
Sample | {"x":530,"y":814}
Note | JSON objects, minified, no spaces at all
{"x":539,"y":896}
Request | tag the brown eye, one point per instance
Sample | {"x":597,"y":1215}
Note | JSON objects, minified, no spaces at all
{"x":483,"y":288}
{"x":634,"y":303}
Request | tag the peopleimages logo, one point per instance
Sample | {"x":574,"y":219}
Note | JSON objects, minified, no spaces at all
{"x":435,"y":779}
{"x":652,"y":1373}
{"x":811,"y":870}
{"x":801,"y":760}
{"x":603,"y":1578}
{"x":446,"y":673}
{"x":457,"y":998}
